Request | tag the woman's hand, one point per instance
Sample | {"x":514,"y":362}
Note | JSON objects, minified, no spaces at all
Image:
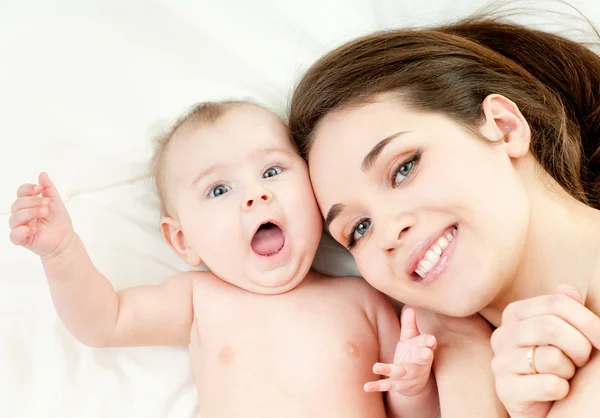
{"x":557,"y":333}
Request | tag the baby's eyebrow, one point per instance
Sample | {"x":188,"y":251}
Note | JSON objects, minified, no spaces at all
{"x":217,"y":167}
{"x":272,"y":151}
{"x":206,"y":172}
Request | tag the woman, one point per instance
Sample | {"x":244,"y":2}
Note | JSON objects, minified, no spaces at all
{"x":461,"y":167}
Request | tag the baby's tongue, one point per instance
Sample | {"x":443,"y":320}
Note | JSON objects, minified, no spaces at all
{"x":267,"y":240}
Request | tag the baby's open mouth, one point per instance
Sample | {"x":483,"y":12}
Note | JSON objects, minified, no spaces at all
{"x":268,"y":240}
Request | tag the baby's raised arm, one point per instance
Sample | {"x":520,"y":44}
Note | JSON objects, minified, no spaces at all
{"x":84,"y":298}
{"x":406,"y":357}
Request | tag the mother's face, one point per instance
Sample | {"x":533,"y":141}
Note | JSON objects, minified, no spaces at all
{"x":434,"y":216}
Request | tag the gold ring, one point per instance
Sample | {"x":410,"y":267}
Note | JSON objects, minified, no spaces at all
{"x":531,"y":359}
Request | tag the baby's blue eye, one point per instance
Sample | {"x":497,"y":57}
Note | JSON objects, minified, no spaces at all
{"x":219,"y":190}
{"x":271,"y":172}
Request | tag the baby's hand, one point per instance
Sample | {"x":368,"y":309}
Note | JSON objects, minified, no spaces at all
{"x":412,"y":360}
{"x":40,"y":223}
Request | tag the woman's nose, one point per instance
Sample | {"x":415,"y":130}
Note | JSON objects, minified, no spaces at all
{"x":393,"y":230}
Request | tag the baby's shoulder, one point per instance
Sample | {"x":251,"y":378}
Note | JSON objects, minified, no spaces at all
{"x":212,"y":297}
{"x":206,"y":286}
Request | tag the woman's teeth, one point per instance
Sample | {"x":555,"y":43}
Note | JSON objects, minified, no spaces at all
{"x":433,"y":254}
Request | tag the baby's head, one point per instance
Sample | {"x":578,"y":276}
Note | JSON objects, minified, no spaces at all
{"x":236,"y":195}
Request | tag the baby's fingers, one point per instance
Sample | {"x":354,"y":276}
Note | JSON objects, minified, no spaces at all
{"x":406,"y":387}
{"x":29,"y":190}
{"x":29,"y":202}
{"x":426,"y":341}
{"x":405,"y":370}
{"x":24,"y":216}
{"x":417,"y":350}
{"x":384,"y":385}
{"x":390,"y":370}
{"x":21,"y":234}
{"x":48,"y":188}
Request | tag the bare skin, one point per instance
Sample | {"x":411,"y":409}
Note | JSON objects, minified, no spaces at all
{"x":307,"y":352}
{"x":267,"y":337}
{"x":304,"y":353}
{"x":409,"y":176}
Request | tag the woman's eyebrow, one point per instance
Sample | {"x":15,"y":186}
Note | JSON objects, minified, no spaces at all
{"x":367,"y":164}
{"x":371,"y":157}
{"x":333,"y":213}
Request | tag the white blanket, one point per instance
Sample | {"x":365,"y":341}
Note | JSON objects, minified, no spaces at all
{"x":82,"y":83}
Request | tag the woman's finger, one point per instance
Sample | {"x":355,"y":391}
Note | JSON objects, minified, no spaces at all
{"x":532,"y":388}
{"x":28,"y":202}
{"x":570,"y":291}
{"x":552,"y":330}
{"x":25,"y":216}
{"x":546,"y":359}
{"x":29,"y":190}
{"x":560,"y":305}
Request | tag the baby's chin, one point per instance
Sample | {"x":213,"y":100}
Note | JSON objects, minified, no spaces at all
{"x":276,"y":281}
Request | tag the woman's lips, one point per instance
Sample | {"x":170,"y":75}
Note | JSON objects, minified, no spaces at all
{"x":429,"y":253}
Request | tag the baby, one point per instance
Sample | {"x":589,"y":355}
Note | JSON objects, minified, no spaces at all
{"x":267,"y":336}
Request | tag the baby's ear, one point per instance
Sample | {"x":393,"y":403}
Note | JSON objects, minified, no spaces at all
{"x":172,"y":233}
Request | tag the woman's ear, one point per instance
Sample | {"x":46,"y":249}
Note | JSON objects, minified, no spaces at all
{"x":172,"y":233}
{"x":505,"y":124}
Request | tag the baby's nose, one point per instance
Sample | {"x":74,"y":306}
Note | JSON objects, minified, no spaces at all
{"x":264,"y":197}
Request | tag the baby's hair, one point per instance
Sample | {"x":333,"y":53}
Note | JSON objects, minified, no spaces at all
{"x":204,"y":113}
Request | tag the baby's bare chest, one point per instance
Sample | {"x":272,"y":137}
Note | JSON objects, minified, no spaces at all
{"x":300,"y":351}
{"x":290,"y":332}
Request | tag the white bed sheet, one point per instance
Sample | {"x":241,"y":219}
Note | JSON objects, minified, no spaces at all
{"x":81,"y":84}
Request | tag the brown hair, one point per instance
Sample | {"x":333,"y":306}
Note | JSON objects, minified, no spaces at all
{"x":450,"y":69}
{"x":199,"y":114}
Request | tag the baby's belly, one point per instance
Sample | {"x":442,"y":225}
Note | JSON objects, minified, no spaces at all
{"x":299,"y":372}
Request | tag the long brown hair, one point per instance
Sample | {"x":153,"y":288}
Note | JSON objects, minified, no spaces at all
{"x":451,"y":69}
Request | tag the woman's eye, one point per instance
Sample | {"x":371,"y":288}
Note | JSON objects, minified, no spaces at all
{"x":402,"y":172}
{"x":271,"y":172}
{"x":219,"y":190}
{"x":361,"y":229}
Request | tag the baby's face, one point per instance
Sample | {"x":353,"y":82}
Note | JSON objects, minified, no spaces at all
{"x":243,"y":199}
